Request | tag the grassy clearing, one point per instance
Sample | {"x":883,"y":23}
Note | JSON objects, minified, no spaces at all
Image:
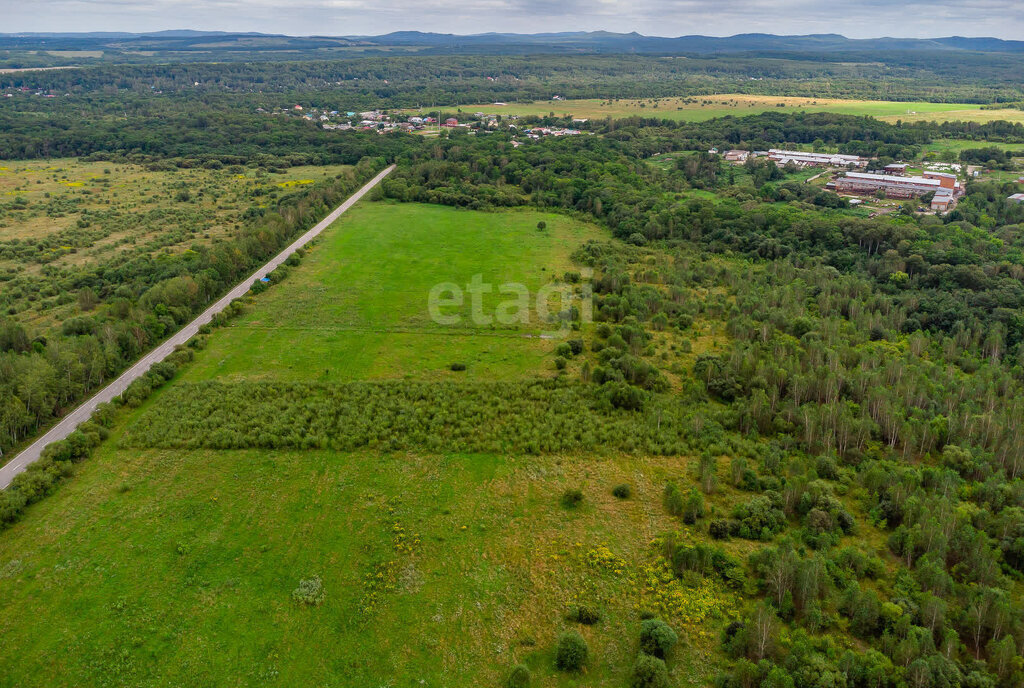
{"x":137,"y":573}
{"x":700,"y":108}
{"x":57,"y":192}
{"x":357,"y":307}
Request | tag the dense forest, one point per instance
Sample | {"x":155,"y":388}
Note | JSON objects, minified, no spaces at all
{"x":410,"y":81}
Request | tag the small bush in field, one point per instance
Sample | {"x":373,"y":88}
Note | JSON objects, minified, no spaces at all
{"x":673,"y":498}
{"x":720,"y":529}
{"x":519,"y":678}
{"x":310,"y":591}
{"x":572,"y":498}
{"x":649,"y":672}
{"x":588,"y":616}
{"x":657,"y":638}
{"x":693,"y":508}
{"x":622,"y":491}
{"x":571,"y":653}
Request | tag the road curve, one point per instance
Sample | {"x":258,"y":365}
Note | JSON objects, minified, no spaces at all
{"x":72,"y":420}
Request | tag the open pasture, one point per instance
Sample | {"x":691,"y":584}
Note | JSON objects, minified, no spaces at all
{"x":357,"y":307}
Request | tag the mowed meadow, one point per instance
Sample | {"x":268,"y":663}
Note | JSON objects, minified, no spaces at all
{"x":161,"y":567}
{"x":357,"y":306}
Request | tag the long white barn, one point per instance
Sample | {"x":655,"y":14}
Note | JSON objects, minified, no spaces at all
{"x":782,"y":157}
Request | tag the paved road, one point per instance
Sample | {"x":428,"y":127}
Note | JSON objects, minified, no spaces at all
{"x":82,"y":413}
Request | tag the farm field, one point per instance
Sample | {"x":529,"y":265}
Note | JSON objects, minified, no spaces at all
{"x":959,"y":113}
{"x":700,"y":108}
{"x":62,"y":218}
{"x":941,"y":146}
{"x":357,"y":307}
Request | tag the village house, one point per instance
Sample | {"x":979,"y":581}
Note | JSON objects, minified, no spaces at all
{"x":1016,"y":198}
{"x":736,"y":156}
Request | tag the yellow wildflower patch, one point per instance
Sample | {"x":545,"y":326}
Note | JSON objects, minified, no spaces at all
{"x":688,"y":605}
{"x":603,"y":558}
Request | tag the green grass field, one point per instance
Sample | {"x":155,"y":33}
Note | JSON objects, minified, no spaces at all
{"x":357,"y":307}
{"x":957,"y":145}
{"x":169,"y":568}
{"x":700,"y":108}
{"x":177,"y":568}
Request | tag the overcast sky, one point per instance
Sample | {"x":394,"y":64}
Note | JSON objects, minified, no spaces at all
{"x":862,"y":19}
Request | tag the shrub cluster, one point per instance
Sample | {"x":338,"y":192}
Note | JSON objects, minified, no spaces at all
{"x":519,"y":417}
{"x":571,"y":652}
{"x":310,"y":591}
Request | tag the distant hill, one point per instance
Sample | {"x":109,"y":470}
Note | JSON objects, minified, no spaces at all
{"x":633,"y":42}
{"x":573,"y":42}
